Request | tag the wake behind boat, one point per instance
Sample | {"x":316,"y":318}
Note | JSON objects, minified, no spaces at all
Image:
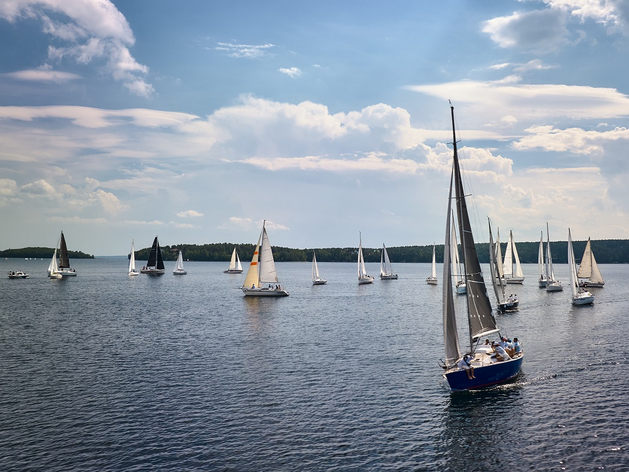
{"x":155,"y":264}
{"x":489,"y":368}
{"x":261,"y":279}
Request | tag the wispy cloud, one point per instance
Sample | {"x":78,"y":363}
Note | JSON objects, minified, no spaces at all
{"x":189,"y":214}
{"x":292,"y":72}
{"x":42,"y":74}
{"x":87,"y":31}
{"x":247,"y":51}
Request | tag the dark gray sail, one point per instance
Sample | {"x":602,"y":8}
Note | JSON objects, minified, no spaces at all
{"x":480,"y":317}
{"x":64,"y":261}
{"x":160,"y":261}
{"x":450,"y":334}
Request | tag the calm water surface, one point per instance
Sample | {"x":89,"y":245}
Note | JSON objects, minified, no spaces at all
{"x":106,"y":372}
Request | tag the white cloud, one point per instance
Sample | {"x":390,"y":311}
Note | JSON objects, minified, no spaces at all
{"x":189,"y":214}
{"x":292,"y":72}
{"x":539,"y":31}
{"x":182,"y":225}
{"x":91,"y":30}
{"x":247,"y":51}
{"x":42,"y":74}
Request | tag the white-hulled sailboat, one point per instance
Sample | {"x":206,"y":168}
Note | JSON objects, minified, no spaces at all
{"x":261,"y":279}
{"x":589,"y":275}
{"x":505,"y":303}
{"x":511,"y":266}
{"x":179,"y":270}
{"x":316,"y":278}
{"x":386,"y":269}
{"x":63,"y":267}
{"x":552,"y":284}
{"x":234,"y":265}
{"x":432,"y":280}
{"x":487,"y":370}
{"x":155,"y":264}
{"x":363,"y":278}
{"x":580,"y":296}
{"x":541,"y":270}
{"x":132,"y":270}
{"x":53,"y":268}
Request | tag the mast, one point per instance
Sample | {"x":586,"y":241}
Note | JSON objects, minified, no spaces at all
{"x":480,"y":318}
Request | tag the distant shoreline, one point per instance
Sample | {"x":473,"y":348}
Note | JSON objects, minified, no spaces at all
{"x":607,"y":251}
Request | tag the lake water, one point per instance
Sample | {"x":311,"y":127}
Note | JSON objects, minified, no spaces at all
{"x":105,"y":372}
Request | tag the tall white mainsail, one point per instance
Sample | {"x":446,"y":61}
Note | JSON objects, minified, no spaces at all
{"x":541,"y":273}
{"x":268,"y":275}
{"x":132,"y":269}
{"x":232,"y":262}
{"x":588,"y":269}
{"x":53,"y":268}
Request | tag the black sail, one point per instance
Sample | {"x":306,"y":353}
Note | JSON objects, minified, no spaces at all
{"x":153,"y":254}
{"x":480,"y":317}
{"x":64,"y":261}
{"x":160,"y":261}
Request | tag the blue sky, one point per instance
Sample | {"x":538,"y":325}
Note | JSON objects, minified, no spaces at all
{"x":197,"y":120}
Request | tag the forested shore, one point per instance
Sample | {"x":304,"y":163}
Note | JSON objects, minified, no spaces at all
{"x":607,"y":251}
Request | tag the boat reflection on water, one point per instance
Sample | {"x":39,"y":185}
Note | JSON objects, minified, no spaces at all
{"x":480,"y":428}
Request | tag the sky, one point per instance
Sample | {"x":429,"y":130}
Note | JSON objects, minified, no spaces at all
{"x":195,"y":120}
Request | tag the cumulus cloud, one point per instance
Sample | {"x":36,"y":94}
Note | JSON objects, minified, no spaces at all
{"x":189,"y":214}
{"x":89,"y":31}
{"x":540,"y":31}
{"x":247,"y":51}
{"x":292,"y":72}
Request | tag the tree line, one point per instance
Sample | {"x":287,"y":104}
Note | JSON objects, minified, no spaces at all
{"x":607,"y":251}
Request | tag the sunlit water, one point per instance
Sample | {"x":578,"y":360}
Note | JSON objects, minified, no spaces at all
{"x":106,"y":372}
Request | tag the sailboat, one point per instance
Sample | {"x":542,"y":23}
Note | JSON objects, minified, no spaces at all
{"x":261,"y":279}
{"x":457,"y":273}
{"x":504,"y":303}
{"x":53,"y":267}
{"x":481,"y":322}
{"x":386,"y":269}
{"x":580,"y":296}
{"x":234,"y":265}
{"x":63,"y":266}
{"x":132,"y":270}
{"x":588,"y":274}
{"x":316,"y":279}
{"x":511,"y":266}
{"x":155,"y":264}
{"x":552,"y":284}
{"x":179,"y":270}
{"x":541,"y":271}
{"x":432,"y":280}
{"x":363,"y":278}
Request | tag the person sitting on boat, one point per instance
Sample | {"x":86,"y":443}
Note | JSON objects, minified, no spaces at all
{"x":517,"y":349}
{"x":466,"y":364}
{"x":501,"y":354}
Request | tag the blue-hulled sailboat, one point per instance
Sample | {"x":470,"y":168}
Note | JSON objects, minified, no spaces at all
{"x":487,"y":369}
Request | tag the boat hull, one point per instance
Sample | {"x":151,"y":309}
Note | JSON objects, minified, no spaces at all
{"x":511,"y":306}
{"x":588,"y":284}
{"x":179,"y":272}
{"x":233,"y":271}
{"x":554,"y":287}
{"x":461,"y":289}
{"x":67,"y":272}
{"x":264,"y":292}
{"x":515,"y":280}
{"x":366,"y":280}
{"x":542,"y":283}
{"x":431,"y":281}
{"x":583,"y":299}
{"x":388,"y":277}
{"x":319,"y":282}
{"x":133,"y":273}
{"x":150,"y":271}
{"x":486,"y":376}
